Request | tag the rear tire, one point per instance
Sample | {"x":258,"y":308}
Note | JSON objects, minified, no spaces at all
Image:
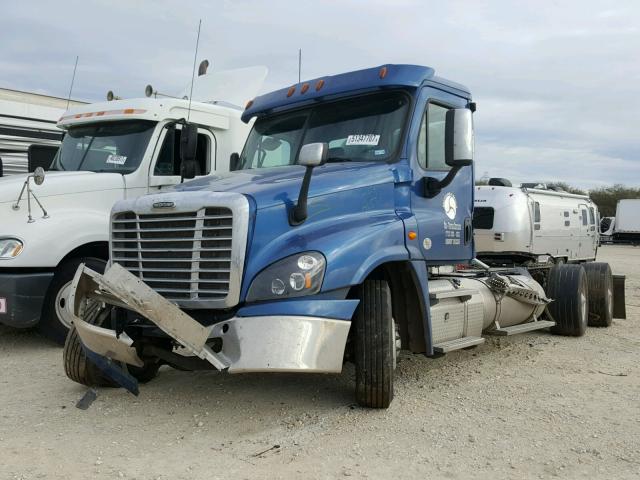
{"x":567,"y":286}
{"x":600,"y":281}
{"x":56,"y":319}
{"x":375,"y":345}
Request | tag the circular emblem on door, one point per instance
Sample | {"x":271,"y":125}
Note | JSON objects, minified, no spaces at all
{"x":450,"y":205}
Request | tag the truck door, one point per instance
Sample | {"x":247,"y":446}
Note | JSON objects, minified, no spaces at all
{"x":444,"y":221}
{"x":586,"y":236}
{"x":165,"y":169}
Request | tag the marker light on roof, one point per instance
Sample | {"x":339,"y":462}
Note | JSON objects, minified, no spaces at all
{"x":124,"y":111}
{"x":291,"y":91}
{"x":248,"y":105}
{"x":319,"y":84}
{"x":305,"y":87}
{"x":383,"y":72}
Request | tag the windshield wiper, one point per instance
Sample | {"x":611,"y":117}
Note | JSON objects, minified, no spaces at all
{"x":338,"y":159}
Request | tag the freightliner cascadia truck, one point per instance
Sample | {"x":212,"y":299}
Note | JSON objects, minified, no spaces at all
{"x":329,"y":242}
{"x":110,"y":151}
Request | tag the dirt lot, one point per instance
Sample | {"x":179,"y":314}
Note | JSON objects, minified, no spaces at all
{"x":530,"y":406}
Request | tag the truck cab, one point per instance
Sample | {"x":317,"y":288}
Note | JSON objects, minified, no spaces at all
{"x":333,"y":240}
{"x":111,"y":151}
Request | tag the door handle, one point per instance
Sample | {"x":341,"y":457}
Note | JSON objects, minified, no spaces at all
{"x":468,"y":231}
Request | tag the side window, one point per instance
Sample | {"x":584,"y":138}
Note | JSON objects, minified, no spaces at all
{"x":584,"y":217}
{"x":536,"y":215}
{"x":431,"y":138}
{"x":168,"y":162}
{"x":592,"y":216}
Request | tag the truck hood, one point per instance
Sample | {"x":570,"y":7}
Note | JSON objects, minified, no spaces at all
{"x":60,"y":183}
{"x":277,"y":185}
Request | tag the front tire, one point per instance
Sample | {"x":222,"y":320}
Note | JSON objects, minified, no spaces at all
{"x":374,"y":345}
{"x":567,"y":286}
{"x":56,"y":316}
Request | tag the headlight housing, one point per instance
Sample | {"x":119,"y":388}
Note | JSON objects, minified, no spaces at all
{"x":10,"y":248}
{"x":294,"y":276}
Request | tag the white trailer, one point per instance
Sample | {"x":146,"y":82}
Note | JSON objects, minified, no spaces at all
{"x":111,"y":151}
{"x":627,"y":224}
{"x":27,"y":119}
{"x":532,"y":224}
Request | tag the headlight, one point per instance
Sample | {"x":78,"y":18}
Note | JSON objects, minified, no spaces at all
{"x":10,"y":247}
{"x":294,"y":276}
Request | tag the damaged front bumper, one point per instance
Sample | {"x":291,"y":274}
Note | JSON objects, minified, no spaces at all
{"x":274,"y":343}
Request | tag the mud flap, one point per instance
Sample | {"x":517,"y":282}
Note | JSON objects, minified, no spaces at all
{"x":619,"y":303}
{"x":113,"y":371}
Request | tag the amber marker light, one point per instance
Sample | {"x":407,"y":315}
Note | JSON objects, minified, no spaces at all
{"x":383,"y":72}
{"x":319,"y":85}
{"x":291,"y":91}
{"x":412,"y":235}
{"x":307,"y":280}
{"x":248,"y":105}
{"x":305,"y":87}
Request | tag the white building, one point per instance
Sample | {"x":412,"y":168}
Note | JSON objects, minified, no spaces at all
{"x":27,"y":118}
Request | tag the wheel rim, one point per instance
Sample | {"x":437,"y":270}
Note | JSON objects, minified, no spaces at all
{"x":610,"y":302}
{"x":62,"y":308}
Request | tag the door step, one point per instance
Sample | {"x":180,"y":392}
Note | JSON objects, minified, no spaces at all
{"x":522,"y":328}
{"x":457,"y":344}
{"x":463,"y":294}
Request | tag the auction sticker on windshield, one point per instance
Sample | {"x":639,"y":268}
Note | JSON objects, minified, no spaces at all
{"x":369,"y":139}
{"x":117,"y":159}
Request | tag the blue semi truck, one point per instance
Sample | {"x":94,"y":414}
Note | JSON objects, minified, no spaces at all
{"x":333,"y":239}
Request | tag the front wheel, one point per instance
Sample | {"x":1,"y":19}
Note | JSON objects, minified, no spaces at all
{"x":57,"y":318}
{"x":375,"y":345}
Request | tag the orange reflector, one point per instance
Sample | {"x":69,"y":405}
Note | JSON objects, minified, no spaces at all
{"x":412,"y":235}
{"x":248,"y":105}
{"x":319,"y":84}
{"x":99,"y":114}
{"x":305,"y":87}
{"x":291,"y":91}
{"x":307,"y":280}
{"x":129,"y":110}
{"x":383,"y":72}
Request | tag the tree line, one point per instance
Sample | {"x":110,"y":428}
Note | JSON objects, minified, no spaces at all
{"x":606,"y":198}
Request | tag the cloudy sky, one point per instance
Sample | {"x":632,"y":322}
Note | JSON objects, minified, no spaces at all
{"x":557,"y":82}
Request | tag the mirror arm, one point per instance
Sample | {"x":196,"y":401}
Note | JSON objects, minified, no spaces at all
{"x":433,"y":186}
{"x":298,"y":213}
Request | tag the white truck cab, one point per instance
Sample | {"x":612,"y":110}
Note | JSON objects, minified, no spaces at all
{"x":111,"y":151}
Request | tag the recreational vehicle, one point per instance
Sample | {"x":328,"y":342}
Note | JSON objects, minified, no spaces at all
{"x":533,"y":224}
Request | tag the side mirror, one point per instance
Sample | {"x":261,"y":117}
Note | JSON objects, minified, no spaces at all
{"x":458,"y":149}
{"x":40,"y":156}
{"x":234,"y":162}
{"x":313,"y":154}
{"x":188,"y":147}
{"x":458,"y":137}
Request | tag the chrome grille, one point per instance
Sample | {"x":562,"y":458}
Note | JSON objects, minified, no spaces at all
{"x":185,"y":256}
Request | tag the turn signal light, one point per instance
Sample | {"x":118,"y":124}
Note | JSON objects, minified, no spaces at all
{"x":412,"y":235}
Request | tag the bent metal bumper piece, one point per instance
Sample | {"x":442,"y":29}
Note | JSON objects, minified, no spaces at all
{"x":276,"y":343}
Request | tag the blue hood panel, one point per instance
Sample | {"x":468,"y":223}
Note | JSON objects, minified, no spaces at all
{"x":278,"y":185}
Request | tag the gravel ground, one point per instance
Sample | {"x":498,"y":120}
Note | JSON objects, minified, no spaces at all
{"x":529,"y":406}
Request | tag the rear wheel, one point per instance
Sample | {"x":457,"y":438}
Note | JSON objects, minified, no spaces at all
{"x":567,"y":287}
{"x":375,"y":345}
{"x":57,"y":318}
{"x":600,"y":281}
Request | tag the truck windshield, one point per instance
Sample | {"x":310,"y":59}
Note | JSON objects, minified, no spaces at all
{"x":366,"y":128}
{"x":116,"y":147}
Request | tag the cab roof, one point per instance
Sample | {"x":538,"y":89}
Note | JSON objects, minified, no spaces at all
{"x":369,"y":79}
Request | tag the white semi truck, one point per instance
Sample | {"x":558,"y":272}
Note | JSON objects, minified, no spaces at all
{"x":626,"y":228}
{"x":111,"y":151}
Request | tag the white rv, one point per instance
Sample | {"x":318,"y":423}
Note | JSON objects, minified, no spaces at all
{"x":533,"y":224}
{"x":54,"y":221}
{"x":627,"y":221}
